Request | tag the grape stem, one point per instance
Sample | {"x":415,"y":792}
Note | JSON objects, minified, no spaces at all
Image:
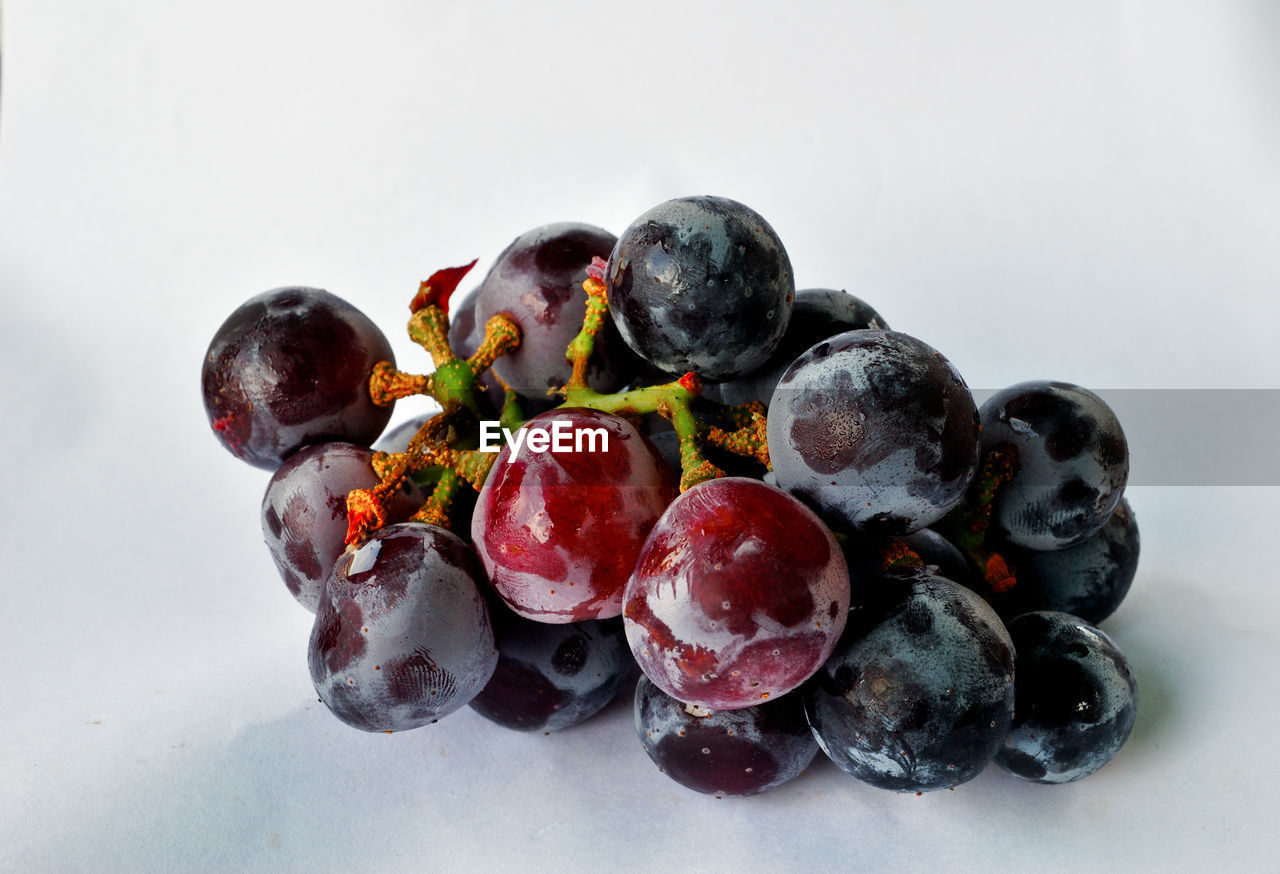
{"x":455,"y":386}
{"x":435,"y":454}
{"x":673,"y":400}
{"x":967,"y":526}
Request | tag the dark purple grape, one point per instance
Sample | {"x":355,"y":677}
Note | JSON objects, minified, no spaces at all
{"x":874,"y":430}
{"x":1088,"y":580}
{"x":944,"y":559}
{"x":701,"y":284}
{"x":1073,"y":462}
{"x":537,"y":280}
{"x":550,"y":677}
{"x":724,"y":752}
{"x":291,"y":367}
{"x":737,"y":597}
{"x":304,"y":512}
{"x":919,"y":693}
{"x":402,"y":636}
{"x":818,"y":313}
{"x":1076,"y":701}
{"x":867,"y":559}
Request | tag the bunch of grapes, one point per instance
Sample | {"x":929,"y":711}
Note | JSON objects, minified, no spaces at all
{"x":655,"y":458}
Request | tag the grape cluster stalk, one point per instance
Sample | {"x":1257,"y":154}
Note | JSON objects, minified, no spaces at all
{"x":791,"y":523}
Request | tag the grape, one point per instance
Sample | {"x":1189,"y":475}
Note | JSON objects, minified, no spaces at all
{"x":558,"y":532}
{"x":739,"y":595}
{"x":1073,"y":461}
{"x":291,"y":367}
{"x":304,"y":512}
{"x":919,"y":694}
{"x":1076,"y":703}
{"x":550,"y":677}
{"x":943,"y":559}
{"x":818,"y":313}
{"x":876,"y":431}
{"x":701,"y":284}
{"x":402,"y":635}
{"x":537,"y":280}
{"x":866,"y":558}
{"x":724,"y":752}
{"x":1088,"y":580}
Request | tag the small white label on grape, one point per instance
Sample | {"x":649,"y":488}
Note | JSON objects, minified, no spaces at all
{"x":364,"y":557}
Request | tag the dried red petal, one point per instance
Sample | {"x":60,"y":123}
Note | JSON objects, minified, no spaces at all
{"x":439,"y":287}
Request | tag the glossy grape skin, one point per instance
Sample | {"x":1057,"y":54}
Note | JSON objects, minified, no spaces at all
{"x":919,"y":694}
{"x":551,"y":677}
{"x":818,"y":313}
{"x":876,"y":431}
{"x":724,"y":752}
{"x":739,"y":595}
{"x":701,"y":284}
{"x":1077,"y":699}
{"x":558,"y":532}
{"x":291,"y":367}
{"x":1073,"y":462}
{"x":537,"y":280}
{"x":1088,"y":580}
{"x":304,"y":512}
{"x":405,"y":640}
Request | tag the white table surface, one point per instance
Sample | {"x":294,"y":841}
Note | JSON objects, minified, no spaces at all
{"x":1085,"y":191}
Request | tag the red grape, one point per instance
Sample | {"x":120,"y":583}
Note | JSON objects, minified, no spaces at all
{"x":739,"y":595}
{"x":558,"y":532}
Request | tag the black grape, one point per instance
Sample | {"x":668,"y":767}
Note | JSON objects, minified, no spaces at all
{"x":552,"y":676}
{"x":701,"y":284}
{"x":1077,"y":699}
{"x":918,"y":694}
{"x":724,"y":752}
{"x":818,"y":313}
{"x":876,"y":431}
{"x":1072,"y":462}
{"x":1088,"y":580}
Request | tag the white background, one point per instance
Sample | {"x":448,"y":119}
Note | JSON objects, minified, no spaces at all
{"x":1085,"y":191}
